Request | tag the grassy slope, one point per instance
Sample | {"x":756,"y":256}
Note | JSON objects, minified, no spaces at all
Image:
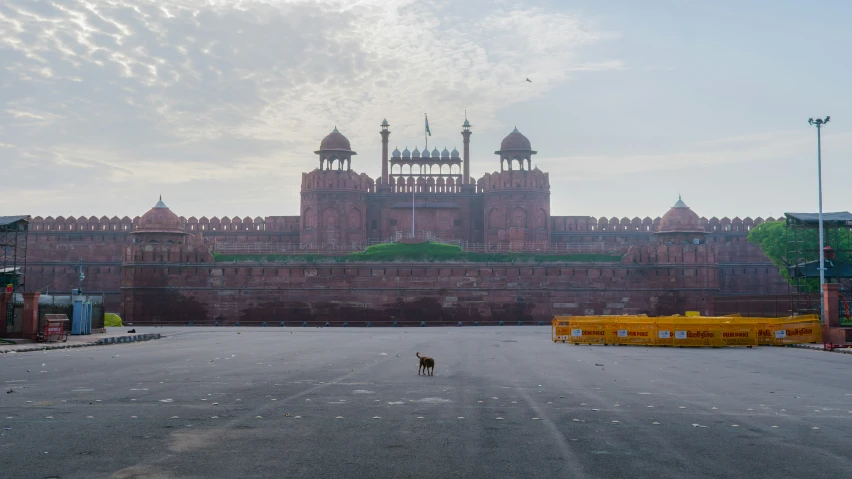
{"x":428,"y":252}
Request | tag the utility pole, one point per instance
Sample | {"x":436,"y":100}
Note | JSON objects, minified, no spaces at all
{"x":819,"y":122}
{"x":80,"y":277}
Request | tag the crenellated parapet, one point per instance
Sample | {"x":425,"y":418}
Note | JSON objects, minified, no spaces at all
{"x":515,"y":180}
{"x":627,"y":225}
{"x":341,"y":180}
{"x":81,"y":224}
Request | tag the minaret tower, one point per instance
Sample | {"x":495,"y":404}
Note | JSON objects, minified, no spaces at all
{"x":466,"y":135}
{"x":385,"y":135}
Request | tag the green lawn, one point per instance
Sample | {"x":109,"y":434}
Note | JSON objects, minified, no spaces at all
{"x":421,"y":253}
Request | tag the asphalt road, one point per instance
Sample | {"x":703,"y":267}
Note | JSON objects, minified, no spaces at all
{"x":504,"y":402}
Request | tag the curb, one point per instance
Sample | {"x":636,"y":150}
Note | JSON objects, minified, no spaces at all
{"x":841,"y":351}
{"x":114,"y":340}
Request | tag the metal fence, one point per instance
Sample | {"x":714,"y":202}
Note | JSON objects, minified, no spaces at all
{"x":768,"y":305}
{"x":336,"y":248}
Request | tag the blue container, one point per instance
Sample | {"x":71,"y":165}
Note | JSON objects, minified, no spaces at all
{"x":81,"y":321}
{"x":422,"y":324}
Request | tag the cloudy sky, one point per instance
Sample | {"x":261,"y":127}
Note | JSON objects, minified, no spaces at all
{"x":218,"y":105}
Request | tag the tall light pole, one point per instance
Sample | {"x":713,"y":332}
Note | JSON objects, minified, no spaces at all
{"x":819,"y":122}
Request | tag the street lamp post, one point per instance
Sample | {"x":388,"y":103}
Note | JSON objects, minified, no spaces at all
{"x":819,"y":122}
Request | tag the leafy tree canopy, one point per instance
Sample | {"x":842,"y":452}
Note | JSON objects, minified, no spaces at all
{"x":771,"y":237}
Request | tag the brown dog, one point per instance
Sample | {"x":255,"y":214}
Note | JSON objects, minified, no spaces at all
{"x":427,"y":365}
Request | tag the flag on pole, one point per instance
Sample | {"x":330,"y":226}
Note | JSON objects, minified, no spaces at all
{"x":428,"y":132}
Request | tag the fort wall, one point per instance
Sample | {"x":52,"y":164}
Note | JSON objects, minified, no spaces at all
{"x":56,"y":245}
{"x":382,"y":293}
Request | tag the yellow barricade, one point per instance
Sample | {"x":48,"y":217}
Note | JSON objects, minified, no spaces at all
{"x":695,"y":334}
{"x":639,"y":333}
{"x":561,"y":329}
{"x":679,"y":330}
{"x":763,"y":327}
{"x":789,"y":330}
{"x":796,"y":332}
{"x":738,"y":334}
{"x":588,"y":331}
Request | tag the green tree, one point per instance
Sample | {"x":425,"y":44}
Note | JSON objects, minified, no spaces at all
{"x":772,"y":239}
{"x":771,"y":236}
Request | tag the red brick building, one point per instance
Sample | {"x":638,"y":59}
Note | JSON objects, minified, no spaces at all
{"x":340,"y":206}
{"x":159,"y":268}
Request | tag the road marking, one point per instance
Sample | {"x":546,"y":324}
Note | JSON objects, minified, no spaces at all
{"x":572,"y":465}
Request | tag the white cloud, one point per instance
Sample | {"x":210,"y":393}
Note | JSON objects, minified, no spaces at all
{"x":145,"y":93}
{"x":731,"y":151}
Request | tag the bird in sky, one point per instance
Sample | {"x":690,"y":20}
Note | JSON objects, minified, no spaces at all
{"x":529,"y":80}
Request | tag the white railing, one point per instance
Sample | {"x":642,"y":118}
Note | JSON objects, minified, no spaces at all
{"x":343,"y":248}
{"x":285,"y":248}
{"x":538,"y":248}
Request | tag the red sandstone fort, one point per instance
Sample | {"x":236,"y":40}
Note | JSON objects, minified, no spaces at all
{"x":158,"y":268}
